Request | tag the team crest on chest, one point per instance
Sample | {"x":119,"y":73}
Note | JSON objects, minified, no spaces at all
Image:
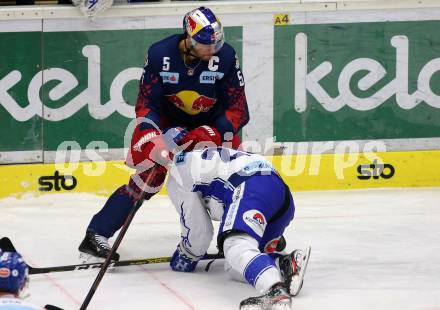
{"x":191,"y":101}
{"x":256,"y":221}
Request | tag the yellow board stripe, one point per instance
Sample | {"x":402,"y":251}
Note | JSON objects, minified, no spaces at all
{"x":355,"y":171}
{"x":301,"y":173}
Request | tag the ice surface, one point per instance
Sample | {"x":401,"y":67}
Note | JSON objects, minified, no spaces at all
{"x":371,"y":249}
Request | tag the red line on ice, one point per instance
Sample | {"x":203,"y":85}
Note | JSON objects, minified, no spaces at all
{"x":176,"y":294}
{"x":58,"y":286}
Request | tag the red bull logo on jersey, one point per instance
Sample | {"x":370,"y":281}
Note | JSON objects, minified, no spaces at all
{"x":256,"y":221}
{"x":191,"y":102}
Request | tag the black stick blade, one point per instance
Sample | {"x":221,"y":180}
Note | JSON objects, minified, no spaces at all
{"x":52,"y":307}
{"x":6,"y":245}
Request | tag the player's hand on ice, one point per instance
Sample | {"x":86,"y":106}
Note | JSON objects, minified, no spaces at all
{"x":201,"y":137}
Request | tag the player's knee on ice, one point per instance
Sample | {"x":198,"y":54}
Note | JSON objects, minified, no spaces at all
{"x":247,"y":263}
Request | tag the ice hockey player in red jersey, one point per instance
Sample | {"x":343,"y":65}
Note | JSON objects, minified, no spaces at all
{"x":191,"y":80}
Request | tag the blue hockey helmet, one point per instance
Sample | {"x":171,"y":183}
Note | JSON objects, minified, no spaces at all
{"x":203,"y":27}
{"x":14,"y":273}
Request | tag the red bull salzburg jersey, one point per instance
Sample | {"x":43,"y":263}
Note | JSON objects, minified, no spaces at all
{"x":173,"y":93}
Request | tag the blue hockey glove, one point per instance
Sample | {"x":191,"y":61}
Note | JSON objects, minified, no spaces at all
{"x":182,"y":262}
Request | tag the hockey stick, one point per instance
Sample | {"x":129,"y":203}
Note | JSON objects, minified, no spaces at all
{"x":117,"y":242}
{"x":52,"y":307}
{"x":7,"y":245}
{"x":122,"y":263}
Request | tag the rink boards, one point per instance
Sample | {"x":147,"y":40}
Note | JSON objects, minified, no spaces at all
{"x":327,"y":76}
{"x":301,"y":172}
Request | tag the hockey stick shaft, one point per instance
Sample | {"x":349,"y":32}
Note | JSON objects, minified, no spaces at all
{"x":134,"y":262}
{"x":7,"y":245}
{"x":117,"y":242}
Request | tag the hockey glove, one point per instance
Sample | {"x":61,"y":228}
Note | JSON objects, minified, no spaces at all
{"x":199,"y":137}
{"x":183,"y":261}
{"x":151,"y":146}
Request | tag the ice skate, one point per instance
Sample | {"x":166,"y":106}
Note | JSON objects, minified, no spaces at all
{"x":277,"y":298}
{"x":293,"y":268}
{"x":95,"y":248}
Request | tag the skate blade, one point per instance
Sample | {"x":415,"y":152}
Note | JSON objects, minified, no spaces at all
{"x":281,"y":307}
{"x":272,"y":307}
{"x":298,"y":279}
{"x":251,"y":307}
{"x":296,"y":285}
{"x":86,"y":258}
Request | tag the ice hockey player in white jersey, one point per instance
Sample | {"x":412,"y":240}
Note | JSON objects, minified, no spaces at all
{"x":13,"y":282}
{"x":244,"y":192}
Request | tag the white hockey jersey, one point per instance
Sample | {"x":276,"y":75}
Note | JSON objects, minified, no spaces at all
{"x":206,"y":166}
{"x":214,"y":173}
{"x":16,"y":304}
